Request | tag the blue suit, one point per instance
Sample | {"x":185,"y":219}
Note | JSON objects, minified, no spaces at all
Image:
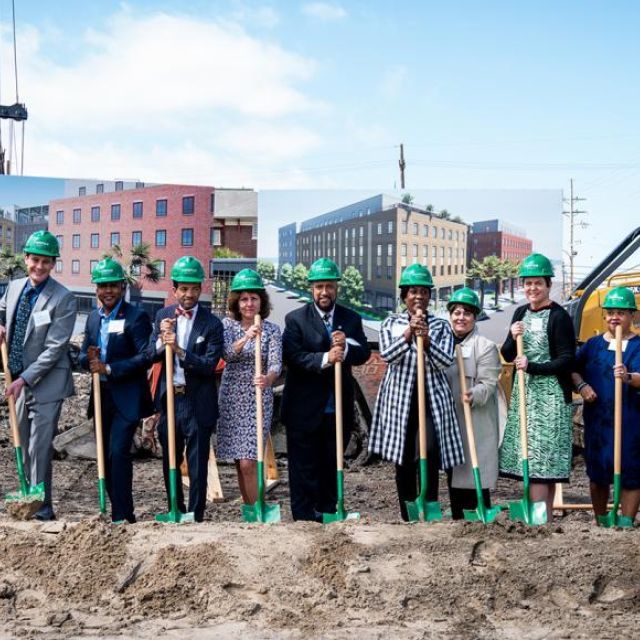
{"x":125,"y":396}
{"x":197,"y":409}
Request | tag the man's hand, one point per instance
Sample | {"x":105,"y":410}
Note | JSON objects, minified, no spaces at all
{"x":97,"y":366}
{"x":338,"y":339}
{"x":336,"y":354}
{"x":15,"y":389}
{"x":169,"y":338}
{"x":93,"y":353}
{"x":168,"y":324}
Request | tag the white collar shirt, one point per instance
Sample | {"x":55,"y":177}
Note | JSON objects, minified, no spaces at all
{"x":184,"y":326}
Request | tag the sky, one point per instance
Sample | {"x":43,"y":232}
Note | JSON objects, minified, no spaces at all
{"x":318,"y":95}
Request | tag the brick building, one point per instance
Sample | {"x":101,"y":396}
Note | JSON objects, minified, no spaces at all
{"x":380,"y":236}
{"x":174,"y":220}
{"x":497,"y":238}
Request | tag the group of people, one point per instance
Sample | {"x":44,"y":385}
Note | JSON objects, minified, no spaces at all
{"x":37,"y":317}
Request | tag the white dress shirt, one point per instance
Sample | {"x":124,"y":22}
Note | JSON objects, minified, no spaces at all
{"x":183,"y":332}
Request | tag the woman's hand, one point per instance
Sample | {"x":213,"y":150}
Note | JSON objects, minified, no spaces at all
{"x":468,"y":397}
{"x":521,"y":362}
{"x":262,"y":381}
{"x":517,"y":329}
{"x":419,"y":326}
{"x":588,"y":394}
{"x":253,"y":331}
{"x":620,"y":371}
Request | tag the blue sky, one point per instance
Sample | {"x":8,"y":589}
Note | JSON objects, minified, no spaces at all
{"x":291,"y":95}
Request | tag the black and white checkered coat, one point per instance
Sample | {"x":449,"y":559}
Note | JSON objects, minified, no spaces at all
{"x":391,"y":413}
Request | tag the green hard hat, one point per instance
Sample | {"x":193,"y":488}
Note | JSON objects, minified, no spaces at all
{"x":42,"y":243}
{"x":187,"y":269}
{"x":536,"y":266}
{"x":464,"y":296}
{"x":107,"y":270}
{"x":416,"y":275}
{"x":323,"y":269}
{"x":620,"y":298}
{"x":247,"y":280}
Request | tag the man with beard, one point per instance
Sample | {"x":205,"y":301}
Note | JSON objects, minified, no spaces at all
{"x":316,"y":337}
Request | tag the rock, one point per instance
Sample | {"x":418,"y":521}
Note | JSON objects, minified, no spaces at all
{"x":77,"y":442}
{"x":58,"y":619}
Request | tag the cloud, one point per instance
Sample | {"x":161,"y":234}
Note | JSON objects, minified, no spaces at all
{"x":324,"y":11}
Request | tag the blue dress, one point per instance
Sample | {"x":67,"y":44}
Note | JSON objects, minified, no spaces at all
{"x":595,"y":362}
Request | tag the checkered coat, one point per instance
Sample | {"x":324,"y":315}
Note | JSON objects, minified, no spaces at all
{"x":391,"y":413}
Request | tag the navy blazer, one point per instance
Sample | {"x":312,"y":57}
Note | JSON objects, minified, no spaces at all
{"x":308,"y":386}
{"x":127,"y":356}
{"x":202,"y":353}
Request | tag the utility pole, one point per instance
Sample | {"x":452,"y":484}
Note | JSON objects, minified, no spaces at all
{"x":571,"y":214}
{"x":402,"y":164}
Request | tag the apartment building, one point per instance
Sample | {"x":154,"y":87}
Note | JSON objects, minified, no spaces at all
{"x":498,"y":238}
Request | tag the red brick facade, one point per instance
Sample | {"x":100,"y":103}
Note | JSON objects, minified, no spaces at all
{"x":498,"y":243}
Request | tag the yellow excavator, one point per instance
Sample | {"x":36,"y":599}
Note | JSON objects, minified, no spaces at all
{"x":585,"y":303}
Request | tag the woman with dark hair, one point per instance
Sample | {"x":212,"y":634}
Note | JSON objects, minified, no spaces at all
{"x":549,"y":351}
{"x":237,"y":398}
{"x":394,"y":430}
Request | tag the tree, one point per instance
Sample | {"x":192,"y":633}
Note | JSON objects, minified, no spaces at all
{"x":286,"y":275}
{"x":457,"y":219}
{"x":139,"y":266}
{"x":11,"y":265}
{"x":429,"y":208}
{"x":224,"y":252}
{"x":299,"y":277}
{"x":511,"y":270}
{"x":477,"y":270}
{"x":491,"y":269}
{"x":407,"y":198}
{"x":445,"y":215}
{"x":266,"y":270}
{"x":352,"y":286}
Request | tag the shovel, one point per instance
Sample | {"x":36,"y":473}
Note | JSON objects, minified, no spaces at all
{"x":420,"y":509}
{"x":260,"y":511}
{"x":612,"y":519}
{"x":340,"y":513}
{"x":31,"y":498}
{"x":525,"y":510}
{"x":482,"y":513}
{"x":97,"y":416}
{"x":174,"y":515}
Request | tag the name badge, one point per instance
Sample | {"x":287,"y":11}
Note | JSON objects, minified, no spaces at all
{"x":612,"y":345}
{"x":536,"y":324}
{"x":41,"y":318}
{"x":466,"y":350}
{"x":116,"y":326}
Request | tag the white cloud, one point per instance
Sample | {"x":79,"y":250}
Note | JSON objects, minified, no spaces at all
{"x":324,"y":11}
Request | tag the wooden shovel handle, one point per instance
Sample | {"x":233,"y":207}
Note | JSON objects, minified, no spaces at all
{"x":258,"y":366}
{"x":97,"y":417}
{"x":171,"y":407}
{"x":467,"y":409}
{"x":422,"y":401}
{"x":339,"y":435}
{"x":617,"y":408}
{"x":524,"y":440}
{"x":11,"y":402}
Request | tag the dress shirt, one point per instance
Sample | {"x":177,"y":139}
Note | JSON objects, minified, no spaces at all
{"x":329,"y":325}
{"x":183,"y":331}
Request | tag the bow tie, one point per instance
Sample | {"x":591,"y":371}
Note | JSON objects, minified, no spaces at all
{"x":184,"y":312}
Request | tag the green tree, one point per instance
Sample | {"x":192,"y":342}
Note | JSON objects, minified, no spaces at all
{"x":511,"y":269}
{"x":139,"y":266}
{"x":407,"y":198}
{"x":444,"y":214}
{"x":352,"y":286}
{"x":224,"y":252}
{"x":429,"y":208}
{"x":266,"y":270}
{"x":299,"y":277}
{"x":286,"y":275}
{"x":491,"y":269}
{"x":11,"y":265}
{"x":457,"y":219}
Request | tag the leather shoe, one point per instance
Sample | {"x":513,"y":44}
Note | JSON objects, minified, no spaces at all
{"x":45,"y":514}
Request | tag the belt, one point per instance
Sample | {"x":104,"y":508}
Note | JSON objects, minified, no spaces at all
{"x":179,"y":389}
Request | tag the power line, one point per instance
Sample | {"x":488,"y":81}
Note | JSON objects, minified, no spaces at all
{"x":571,"y":214}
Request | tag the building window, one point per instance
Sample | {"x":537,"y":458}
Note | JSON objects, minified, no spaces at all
{"x":450,"y":234}
{"x":58,"y":266}
{"x":215,"y":237}
{"x":442,"y":233}
{"x":77,"y":216}
{"x":254,"y":231}
{"x":95,"y":240}
{"x":115,"y":212}
{"x":59,"y":217}
{"x":139,"y":185}
{"x":92,"y":265}
{"x":160,"y":265}
{"x":434,"y":232}
{"x":115,"y":238}
{"x":75,"y":241}
{"x":389,"y":226}
{"x":415,"y":250}
{"x":137,"y":209}
{"x":60,"y":240}
{"x":378,"y":249}
{"x":425,"y":230}
{"x":403,"y":250}
{"x":188,"y":203}
{"x":378,"y":271}
{"x":136,"y":238}
{"x":361,"y":251}
{"x":379,"y":228}
{"x":390,"y":250}
{"x":361,"y":231}
{"x":82,"y":191}
{"x":415,"y":228}
{"x":346,"y":252}
{"x":425,"y":251}
{"x":95,"y":214}
{"x":389,"y":272}
{"x":212,"y":203}
{"x":161,"y":208}
{"x":100,"y":188}
{"x":404,"y":227}
{"x":161,"y":238}
{"x":441,"y":269}
{"x":187,"y":238}
{"x":119,"y":185}
{"x":75,"y":266}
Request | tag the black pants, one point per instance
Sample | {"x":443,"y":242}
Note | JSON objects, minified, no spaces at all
{"x":117,"y":437}
{"x":312,"y":468}
{"x":197,"y":441}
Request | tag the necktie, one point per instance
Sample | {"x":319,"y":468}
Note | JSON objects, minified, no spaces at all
{"x":19,"y":331}
{"x":184,"y":312}
{"x":326,"y":318}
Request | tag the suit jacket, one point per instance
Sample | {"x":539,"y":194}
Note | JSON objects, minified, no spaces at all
{"x":46,"y":361}
{"x":128,"y":358}
{"x":203,"y":351}
{"x":308,"y":386}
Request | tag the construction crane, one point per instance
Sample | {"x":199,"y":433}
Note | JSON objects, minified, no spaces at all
{"x":16,"y":112}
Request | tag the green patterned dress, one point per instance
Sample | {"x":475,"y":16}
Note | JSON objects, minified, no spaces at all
{"x":549,"y":416}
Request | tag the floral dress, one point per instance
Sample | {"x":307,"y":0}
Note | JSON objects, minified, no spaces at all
{"x":549,"y":426}
{"x":237,"y":398}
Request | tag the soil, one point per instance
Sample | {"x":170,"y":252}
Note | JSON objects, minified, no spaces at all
{"x":81,"y":577}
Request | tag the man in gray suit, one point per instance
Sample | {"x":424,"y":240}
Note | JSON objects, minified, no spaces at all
{"x":37,"y":316}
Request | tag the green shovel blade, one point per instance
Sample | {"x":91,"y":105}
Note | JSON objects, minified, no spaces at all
{"x":339,"y":516}
{"x":175,"y":517}
{"x":533,"y":513}
{"x":420,"y":509}
{"x":31,"y":494}
{"x":612,"y":519}
{"x":482,"y":514}
{"x":261,"y":512}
